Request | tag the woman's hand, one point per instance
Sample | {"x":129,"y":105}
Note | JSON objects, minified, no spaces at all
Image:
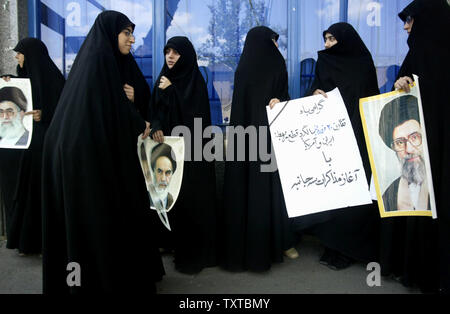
{"x":273,"y":102}
{"x":6,"y":78}
{"x":37,"y":115}
{"x":320,"y":92}
{"x":147,"y":130}
{"x":158,"y":137}
{"x":404,"y":84}
{"x":129,"y":90}
{"x":164,"y":83}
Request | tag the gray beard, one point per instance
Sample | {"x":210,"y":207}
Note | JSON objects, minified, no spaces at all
{"x":413,"y":172}
{"x":12,"y":131}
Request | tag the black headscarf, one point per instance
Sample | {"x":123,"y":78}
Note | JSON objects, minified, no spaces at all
{"x":349,"y":43}
{"x":189,"y":98}
{"x":93,"y":187}
{"x":260,"y":76}
{"x":255,"y":226}
{"x":46,"y":79}
{"x":347,"y":65}
{"x":260,"y":57}
{"x":424,"y":262}
{"x":193,"y":217}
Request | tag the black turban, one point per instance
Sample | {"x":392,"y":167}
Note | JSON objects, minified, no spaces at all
{"x":163,"y":150}
{"x":395,"y":113}
{"x":14,"y":95}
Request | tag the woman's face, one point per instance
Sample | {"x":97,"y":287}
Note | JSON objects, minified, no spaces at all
{"x":20,"y":59}
{"x":330,"y":41}
{"x":172,"y":56}
{"x":126,"y":40}
{"x":409,"y":24}
{"x":275,"y":42}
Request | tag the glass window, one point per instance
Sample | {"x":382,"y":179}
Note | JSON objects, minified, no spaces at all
{"x":217,"y":29}
{"x":55,"y":46}
{"x":380,"y":28}
{"x":65,"y":25}
{"x":316,"y":16}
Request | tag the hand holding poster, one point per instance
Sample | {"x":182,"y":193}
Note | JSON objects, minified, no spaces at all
{"x":318,"y":158}
{"x":16,"y":127}
{"x":162,"y":165}
{"x":396,"y":140}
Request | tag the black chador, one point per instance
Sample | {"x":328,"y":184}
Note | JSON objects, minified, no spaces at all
{"x":350,"y":233}
{"x":133,"y":77}
{"x":47,"y":82}
{"x":193,"y":218}
{"x":95,"y":203}
{"x":255,"y":227}
{"x":417,"y":249}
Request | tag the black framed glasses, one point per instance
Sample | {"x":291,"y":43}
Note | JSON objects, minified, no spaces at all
{"x":128,"y":33}
{"x":399,"y":144}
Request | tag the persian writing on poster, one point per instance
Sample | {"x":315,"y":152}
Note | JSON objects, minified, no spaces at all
{"x":317,"y":154}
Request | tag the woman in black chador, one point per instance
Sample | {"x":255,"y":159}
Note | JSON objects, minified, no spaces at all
{"x":255,"y":225}
{"x":347,"y":234}
{"x":417,"y":249}
{"x":180,"y":96}
{"x":47,"y":82}
{"x":95,"y":203}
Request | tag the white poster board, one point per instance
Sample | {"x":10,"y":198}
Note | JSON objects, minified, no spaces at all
{"x":317,"y":154}
{"x":16,"y":128}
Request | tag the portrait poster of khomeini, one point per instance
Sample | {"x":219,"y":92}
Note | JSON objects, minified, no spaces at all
{"x":16,"y":126}
{"x":162,"y":165}
{"x":398,"y":148}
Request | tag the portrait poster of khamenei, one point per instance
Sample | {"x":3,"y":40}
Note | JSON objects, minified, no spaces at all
{"x":162,"y":165}
{"x":16,"y":127}
{"x":398,"y":150}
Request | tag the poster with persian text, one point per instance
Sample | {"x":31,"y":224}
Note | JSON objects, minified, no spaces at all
{"x":317,"y":155}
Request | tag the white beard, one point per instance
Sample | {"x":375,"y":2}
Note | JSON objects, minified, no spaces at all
{"x":11,"y":133}
{"x":161,"y":193}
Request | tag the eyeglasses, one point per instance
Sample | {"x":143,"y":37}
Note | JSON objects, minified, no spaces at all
{"x":128,"y":34}
{"x":399,"y":144}
{"x":8,"y":112}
